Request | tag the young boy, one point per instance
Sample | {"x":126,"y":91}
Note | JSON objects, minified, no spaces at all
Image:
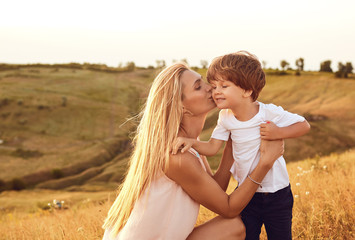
{"x":236,"y":81}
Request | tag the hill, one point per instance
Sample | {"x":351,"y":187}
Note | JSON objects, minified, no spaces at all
{"x":62,"y":128}
{"x":52,"y":119}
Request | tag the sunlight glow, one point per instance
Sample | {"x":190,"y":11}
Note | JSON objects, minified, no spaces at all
{"x":143,"y":31}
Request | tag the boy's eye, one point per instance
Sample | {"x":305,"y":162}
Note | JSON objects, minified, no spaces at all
{"x":224,"y":86}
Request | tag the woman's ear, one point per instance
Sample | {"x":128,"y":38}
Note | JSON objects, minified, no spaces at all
{"x":247,"y":93}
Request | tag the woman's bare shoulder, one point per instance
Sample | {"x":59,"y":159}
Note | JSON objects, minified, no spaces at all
{"x":183,"y":164}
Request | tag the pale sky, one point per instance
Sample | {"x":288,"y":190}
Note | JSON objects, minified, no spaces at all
{"x":110,"y":32}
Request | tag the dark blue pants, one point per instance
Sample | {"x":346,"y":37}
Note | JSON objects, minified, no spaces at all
{"x":274,"y":210}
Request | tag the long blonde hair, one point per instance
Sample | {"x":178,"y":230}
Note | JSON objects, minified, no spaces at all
{"x":158,"y":128}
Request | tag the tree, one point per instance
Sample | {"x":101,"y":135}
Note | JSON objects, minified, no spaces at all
{"x":349,"y":67}
{"x":344,"y":70}
{"x":341,"y":73}
{"x":204,"y":64}
{"x":300,"y":64}
{"x":160,"y":63}
{"x":284,"y":64}
{"x":325,"y":66}
{"x":264,"y":64}
{"x":130,"y":66}
{"x":184,"y":61}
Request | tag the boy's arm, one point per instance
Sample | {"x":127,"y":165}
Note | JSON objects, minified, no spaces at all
{"x":207,"y":148}
{"x":269,"y":130}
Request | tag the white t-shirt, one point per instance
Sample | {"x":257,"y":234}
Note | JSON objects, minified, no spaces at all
{"x":246,"y":143}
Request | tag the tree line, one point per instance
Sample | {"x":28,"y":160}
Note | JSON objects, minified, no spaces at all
{"x":128,"y":67}
{"x":344,"y":69}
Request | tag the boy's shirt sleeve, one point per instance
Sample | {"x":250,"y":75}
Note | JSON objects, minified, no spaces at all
{"x":221,"y":132}
{"x":281,"y":117}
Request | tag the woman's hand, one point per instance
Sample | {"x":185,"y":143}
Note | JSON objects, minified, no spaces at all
{"x":270,"y":151}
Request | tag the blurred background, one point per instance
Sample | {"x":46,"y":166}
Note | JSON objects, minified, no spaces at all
{"x":72,"y":74}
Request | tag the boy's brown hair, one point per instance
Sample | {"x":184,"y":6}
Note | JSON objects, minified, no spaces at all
{"x":242,"y":68}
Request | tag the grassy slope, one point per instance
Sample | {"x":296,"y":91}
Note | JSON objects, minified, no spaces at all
{"x":33,"y":118}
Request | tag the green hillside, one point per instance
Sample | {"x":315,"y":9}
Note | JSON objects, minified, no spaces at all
{"x":61,"y":122}
{"x":62,"y":128}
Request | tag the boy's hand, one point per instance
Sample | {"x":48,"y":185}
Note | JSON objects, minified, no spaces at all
{"x":269,"y":131}
{"x":186,"y":143}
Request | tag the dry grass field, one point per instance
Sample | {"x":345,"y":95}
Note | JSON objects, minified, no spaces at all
{"x":323,"y":208}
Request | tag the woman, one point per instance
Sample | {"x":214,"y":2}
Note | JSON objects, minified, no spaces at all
{"x":161,"y":194}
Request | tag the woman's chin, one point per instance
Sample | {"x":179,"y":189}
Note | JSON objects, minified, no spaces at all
{"x":213,"y":105}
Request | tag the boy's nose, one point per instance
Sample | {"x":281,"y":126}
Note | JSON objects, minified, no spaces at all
{"x":216,"y":90}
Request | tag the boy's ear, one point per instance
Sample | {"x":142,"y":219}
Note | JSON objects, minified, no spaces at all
{"x":247,"y":93}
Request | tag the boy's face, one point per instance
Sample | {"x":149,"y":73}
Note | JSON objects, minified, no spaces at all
{"x":227,"y":95}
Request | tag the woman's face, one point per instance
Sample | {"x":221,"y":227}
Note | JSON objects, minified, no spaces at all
{"x":197,"y":94}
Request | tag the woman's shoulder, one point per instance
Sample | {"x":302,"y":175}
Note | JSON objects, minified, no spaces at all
{"x":182,"y":160}
{"x":183,"y":164}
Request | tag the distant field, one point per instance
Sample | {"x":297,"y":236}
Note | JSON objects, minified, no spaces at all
{"x":62,"y":128}
{"x":323,"y":208}
{"x":57,"y":118}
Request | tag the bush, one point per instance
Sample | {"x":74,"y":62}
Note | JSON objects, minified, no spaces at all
{"x":26,"y":153}
{"x":4,"y":102}
{"x":43,"y":205}
{"x":18,"y":184}
{"x":57,"y":173}
{"x":339,"y":74}
{"x":275,"y":72}
{"x":314,"y":118}
{"x":2,"y":185}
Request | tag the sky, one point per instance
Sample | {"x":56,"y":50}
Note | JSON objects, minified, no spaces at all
{"x":115,"y":31}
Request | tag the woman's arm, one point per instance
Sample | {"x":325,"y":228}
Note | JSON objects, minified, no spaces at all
{"x":186,"y":170}
{"x":223,"y":174}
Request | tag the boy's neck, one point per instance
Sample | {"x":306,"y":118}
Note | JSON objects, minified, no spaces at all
{"x":246,"y":110}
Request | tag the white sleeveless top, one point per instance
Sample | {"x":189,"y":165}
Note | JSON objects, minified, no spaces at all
{"x":165,"y":212}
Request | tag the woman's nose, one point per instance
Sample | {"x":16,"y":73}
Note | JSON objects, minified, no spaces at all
{"x":208,"y":88}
